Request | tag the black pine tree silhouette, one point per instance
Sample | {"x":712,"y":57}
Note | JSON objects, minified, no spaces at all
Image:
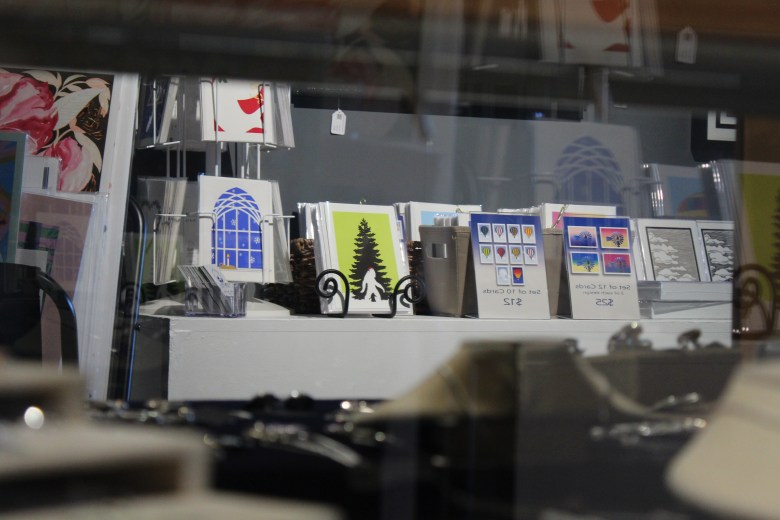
{"x":367,"y":256}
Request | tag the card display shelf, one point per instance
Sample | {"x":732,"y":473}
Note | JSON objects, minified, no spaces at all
{"x":200,"y":358}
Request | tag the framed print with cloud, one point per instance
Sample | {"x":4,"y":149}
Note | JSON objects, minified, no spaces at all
{"x":672,"y":250}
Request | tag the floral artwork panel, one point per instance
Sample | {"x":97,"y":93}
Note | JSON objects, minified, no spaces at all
{"x":65,"y":115}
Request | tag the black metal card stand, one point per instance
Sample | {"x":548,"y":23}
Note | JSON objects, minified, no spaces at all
{"x":409,"y":289}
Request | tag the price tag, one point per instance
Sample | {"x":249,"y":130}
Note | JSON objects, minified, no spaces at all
{"x":687,"y":43}
{"x":338,"y":123}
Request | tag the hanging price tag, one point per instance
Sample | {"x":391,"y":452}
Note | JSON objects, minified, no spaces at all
{"x":687,"y":43}
{"x":338,"y":123}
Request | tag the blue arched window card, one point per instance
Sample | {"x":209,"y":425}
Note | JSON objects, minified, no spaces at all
{"x":235,"y":227}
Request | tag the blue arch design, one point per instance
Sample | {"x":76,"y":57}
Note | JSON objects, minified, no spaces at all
{"x":589,"y":173}
{"x":237,"y":237}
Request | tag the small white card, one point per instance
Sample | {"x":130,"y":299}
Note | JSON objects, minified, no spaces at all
{"x":338,"y":123}
{"x":509,"y":268}
{"x":600,"y":263}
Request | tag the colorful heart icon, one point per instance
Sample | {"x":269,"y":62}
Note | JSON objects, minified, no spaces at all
{"x":517,"y":272}
{"x":513,"y":231}
{"x":501,"y":252}
{"x":484,"y":230}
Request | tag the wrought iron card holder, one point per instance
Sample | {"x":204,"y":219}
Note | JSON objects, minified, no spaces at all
{"x":409,"y":290}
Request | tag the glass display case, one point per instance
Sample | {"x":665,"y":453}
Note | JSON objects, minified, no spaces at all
{"x":633,"y":140}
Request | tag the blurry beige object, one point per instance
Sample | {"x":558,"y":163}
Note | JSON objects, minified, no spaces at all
{"x":201,"y":506}
{"x":57,"y":393}
{"x":732,"y":467}
{"x":478,"y":380}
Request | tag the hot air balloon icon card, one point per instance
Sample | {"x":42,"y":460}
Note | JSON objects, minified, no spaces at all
{"x":602,"y":276}
{"x":509,"y":269}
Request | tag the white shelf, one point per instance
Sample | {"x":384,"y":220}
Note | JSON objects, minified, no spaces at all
{"x":355,"y":357}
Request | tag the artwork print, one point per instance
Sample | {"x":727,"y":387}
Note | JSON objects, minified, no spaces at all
{"x":672,"y":254}
{"x":366,"y":251}
{"x":501,"y":254}
{"x":235,"y":111}
{"x":614,"y":238}
{"x":597,"y":32}
{"x":503,"y":275}
{"x":235,"y":238}
{"x":617,"y":263}
{"x":719,"y":248}
{"x":582,"y":236}
{"x":517,"y":276}
{"x":65,"y":115}
{"x":585,"y":263}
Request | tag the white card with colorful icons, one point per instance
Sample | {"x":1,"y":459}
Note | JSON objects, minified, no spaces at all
{"x":509,"y":266}
{"x":600,"y":262}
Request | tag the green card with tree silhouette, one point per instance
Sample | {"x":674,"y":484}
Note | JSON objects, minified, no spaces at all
{"x":365,"y":246}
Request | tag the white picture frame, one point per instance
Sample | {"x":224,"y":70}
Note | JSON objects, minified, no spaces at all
{"x":720,"y":249}
{"x":672,"y":250}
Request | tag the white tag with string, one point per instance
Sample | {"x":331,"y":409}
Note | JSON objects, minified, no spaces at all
{"x":338,"y":123}
{"x":687,"y":43}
